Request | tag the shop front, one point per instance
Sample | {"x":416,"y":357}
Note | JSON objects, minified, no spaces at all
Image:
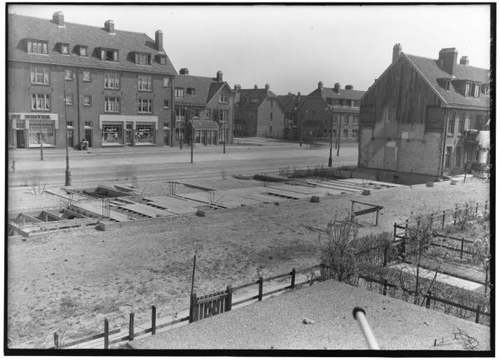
{"x":29,"y":130}
{"x":206,"y":131}
{"x":130,"y":130}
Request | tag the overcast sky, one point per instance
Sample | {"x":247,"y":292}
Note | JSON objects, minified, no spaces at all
{"x":293,"y":47}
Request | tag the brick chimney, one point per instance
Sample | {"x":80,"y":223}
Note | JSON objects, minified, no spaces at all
{"x":58,"y":18}
{"x":348,"y":87}
{"x":159,"y":40}
{"x":184,"y":71}
{"x":237,"y":87}
{"x":266,"y":87}
{"x":464,"y":60}
{"x":396,"y":52}
{"x":109,"y":26}
{"x":255,"y":86}
{"x":320,"y":85}
{"x":448,"y":60}
{"x":336,"y":87}
{"x":219,"y":76}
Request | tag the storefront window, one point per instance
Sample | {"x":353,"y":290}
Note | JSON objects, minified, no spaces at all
{"x":112,"y":134}
{"x":144,"y":134}
{"x":41,"y":132}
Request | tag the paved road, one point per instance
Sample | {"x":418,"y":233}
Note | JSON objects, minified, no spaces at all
{"x":154,"y":163}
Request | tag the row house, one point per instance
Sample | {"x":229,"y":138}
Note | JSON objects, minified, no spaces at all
{"x":258,"y":113}
{"x":68,"y":82}
{"x":425,"y":117}
{"x":291,"y":105}
{"x":330,"y":112}
{"x":206,"y":105}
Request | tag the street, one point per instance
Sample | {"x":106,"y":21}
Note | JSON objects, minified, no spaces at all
{"x":155,"y":163}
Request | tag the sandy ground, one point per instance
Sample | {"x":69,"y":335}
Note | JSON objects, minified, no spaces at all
{"x":277,"y":323}
{"x":70,"y":281}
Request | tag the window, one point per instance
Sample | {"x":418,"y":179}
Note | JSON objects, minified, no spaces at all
{"x":271,"y":116}
{"x":162,"y":59}
{"x":87,"y":100}
{"x":68,"y":100}
{"x":83,"y":51}
{"x":86,"y":76}
{"x":88,"y":124}
{"x":109,"y":55}
{"x":142,"y":58}
{"x":354,"y":133}
{"x":144,"y":106}
{"x":144,"y":83}
{"x":111,"y":81}
{"x":467,"y":89}
{"x":68,"y":74}
{"x":145,"y":134}
{"x":64,"y":47}
{"x":112,"y":104}
{"x":165,"y":103}
{"x":451,"y":125}
{"x":179,"y":92}
{"x":38,"y":47}
{"x":476,"y":90}
{"x":39,"y":75}
{"x":112,"y":134}
{"x":461,"y":124}
{"x":346,"y":133}
{"x":191,"y":91}
{"x":40,"y":102}
{"x":458,"y":155}
{"x":485,"y":89}
{"x":223,"y":99}
{"x":69,"y":124}
{"x":166,"y":82}
{"x":447,"y":159}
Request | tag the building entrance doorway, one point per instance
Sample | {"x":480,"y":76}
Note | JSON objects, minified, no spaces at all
{"x":20,"y":139}
{"x":88,"y":136}
{"x":71,"y":137}
{"x":129,"y":135}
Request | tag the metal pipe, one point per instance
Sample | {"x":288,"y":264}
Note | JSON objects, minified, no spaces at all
{"x":360,"y":315}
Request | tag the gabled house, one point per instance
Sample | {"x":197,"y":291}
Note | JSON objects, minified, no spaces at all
{"x":328,"y":110}
{"x":68,"y":82}
{"x":207,"y":104}
{"x":258,"y":113}
{"x":425,"y":117}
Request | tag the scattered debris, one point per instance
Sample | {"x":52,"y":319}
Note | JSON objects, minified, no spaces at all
{"x":200,"y":213}
{"x":100,"y":226}
{"x":307,"y":321}
{"x":365,"y":192}
{"x":314,"y":198}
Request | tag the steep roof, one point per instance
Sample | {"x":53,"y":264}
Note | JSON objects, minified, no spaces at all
{"x":288,"y":102}
{"x":252,"y":98}
{"x":431,"y":71}
{"x":342,"y":94}
{"x":22,"y":27}
{"x":205,"y":89}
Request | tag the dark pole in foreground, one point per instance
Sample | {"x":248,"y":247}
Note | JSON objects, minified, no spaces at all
{"x":223,"y":137}
{"x":191,"y":128}
{"x":67,"y":181}
{"x":331,"y":143}
{"x":360,"y":315}
{"x":192,"y":278}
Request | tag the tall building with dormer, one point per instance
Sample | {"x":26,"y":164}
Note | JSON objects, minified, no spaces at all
{"x":71,"y":82}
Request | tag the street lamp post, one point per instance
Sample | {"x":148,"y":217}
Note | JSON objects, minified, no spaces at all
{"x":338,"y":134}
{"x":41,"y":141}
{"x":67,"y":174}
{"x":191,"y":128}
{"x":330,"y":161}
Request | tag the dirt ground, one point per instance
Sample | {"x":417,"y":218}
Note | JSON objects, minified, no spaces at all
{"x":70,"y":281}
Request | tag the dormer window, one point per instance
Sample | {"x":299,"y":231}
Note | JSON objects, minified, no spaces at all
{"x":37,"y":47}
{"x":162,"y":59}
{"x":64,"y":48}
{"x":143,"y":58}
{"x":467,"y":89}
{"x":83,"y":51}
{"x":476,"y":90}
{"x":109,"y":55}
{"x":191,"y":91}
{"x":485,"y":89}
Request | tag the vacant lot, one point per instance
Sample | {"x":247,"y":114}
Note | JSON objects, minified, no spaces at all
{"x":70,"y":281}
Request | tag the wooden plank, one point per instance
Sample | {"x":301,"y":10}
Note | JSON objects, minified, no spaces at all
{"x":365,"y":211}
{"x":18,"y":229}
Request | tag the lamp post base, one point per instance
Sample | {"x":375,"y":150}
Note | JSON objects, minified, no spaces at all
{"x":67,"y":181}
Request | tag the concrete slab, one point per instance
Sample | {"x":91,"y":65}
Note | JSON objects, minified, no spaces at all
{"x":175,"y":205}
{"x":145,"y":210}
{"x":442,"y":278}
{"x":94,"y":207}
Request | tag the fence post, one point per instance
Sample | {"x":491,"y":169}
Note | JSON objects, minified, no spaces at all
{"x":477,"y":207}
{"x":478,"y":312}
{"x":192,"y":307}
{"x":442,"y":222}
{"x":461,"y":248}
{"x":394,"y":235}
{"x":485,"y":207}
{"x":455,"y":215}
{"x":384,"y":263}
{"x":384,"y":291}
{"x":131,"y":327}
{"x":153,"y":320}
{"x":229,"y":298}
{"x":106,"y":334}
{"x":428,"y":300}
{"x":56,"y":340}
{"x":261,"y":287}
{"x":292,"y":282}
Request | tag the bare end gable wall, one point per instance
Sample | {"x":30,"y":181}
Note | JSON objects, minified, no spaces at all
{"x":401,"y":123}
{"x":264,"y":120}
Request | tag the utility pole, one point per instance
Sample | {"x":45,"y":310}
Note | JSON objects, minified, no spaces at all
{"x":192,"y":138}
{"x":223,"y":133}
{"x":331,"y":142}
{"x":338,"y":134}
{"x":41,"y":141}
{"x":67,"y":179}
